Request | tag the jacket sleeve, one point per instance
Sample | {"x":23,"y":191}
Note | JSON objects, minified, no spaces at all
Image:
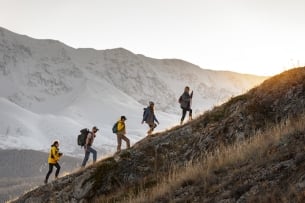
{"x":155,"y":118}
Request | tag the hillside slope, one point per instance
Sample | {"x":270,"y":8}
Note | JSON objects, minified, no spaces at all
{"x":132,"y":175}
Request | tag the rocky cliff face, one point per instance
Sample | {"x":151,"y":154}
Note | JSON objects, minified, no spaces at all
{"x":125,"y":175}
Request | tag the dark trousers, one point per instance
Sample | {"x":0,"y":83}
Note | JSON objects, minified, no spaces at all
{"x":51,"y":169}
{"x":184,"y":110}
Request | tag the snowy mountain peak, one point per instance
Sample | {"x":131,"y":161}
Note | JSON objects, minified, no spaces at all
{"x":54,"y":90}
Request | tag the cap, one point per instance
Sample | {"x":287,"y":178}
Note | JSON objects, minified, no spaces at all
{"x":123,"y":117}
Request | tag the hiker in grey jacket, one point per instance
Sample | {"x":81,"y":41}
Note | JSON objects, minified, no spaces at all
{"x":149,"y":117}
{"x":185,"y":103}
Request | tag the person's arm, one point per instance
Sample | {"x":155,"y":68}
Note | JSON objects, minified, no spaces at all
{"x":155,"y":118}
{"x":88,"y":140}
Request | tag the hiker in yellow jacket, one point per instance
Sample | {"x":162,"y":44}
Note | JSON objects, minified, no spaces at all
{"x":53,"y":159}
{"x":121,"y":133}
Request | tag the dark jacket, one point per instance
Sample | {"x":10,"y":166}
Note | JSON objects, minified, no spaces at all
{"x":186,"y":100}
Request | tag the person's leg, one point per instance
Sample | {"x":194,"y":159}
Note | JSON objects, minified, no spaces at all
{"x":93,"y":151}
{"x":190,"y":114}
{"x":126,"y":140}
{"x":57,"y":169}
{"x":183,"y":115}
{"x":49,"y":172}
{"x":119,"y":139}
{"x":150,"y":129}
{"x":153,"y":127}
{"x":87,"y":153}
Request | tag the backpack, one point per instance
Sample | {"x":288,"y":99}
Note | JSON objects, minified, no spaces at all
{"x":144,"y":111}
{"x":180,"y":99}
{"x":115,"y":127}
{"x":82,"y":137}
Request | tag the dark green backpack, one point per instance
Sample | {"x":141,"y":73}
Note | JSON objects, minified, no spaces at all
{"x":82,"y":137}
{"x":115,"y":127}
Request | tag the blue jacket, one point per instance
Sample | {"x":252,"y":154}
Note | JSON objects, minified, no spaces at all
{"x":149,"y":116}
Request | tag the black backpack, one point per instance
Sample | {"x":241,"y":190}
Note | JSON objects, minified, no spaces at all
{"x":180,"y":99}
{"x":82,"y":137}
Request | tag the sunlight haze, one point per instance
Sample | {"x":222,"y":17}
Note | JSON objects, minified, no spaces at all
{"x":262,"y":37}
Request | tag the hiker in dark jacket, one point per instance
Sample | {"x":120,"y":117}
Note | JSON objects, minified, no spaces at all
{"x":185,"y":103}
{"x":53,"y":159}
{"x":150,"y":118}
{"x":88,"y":146}
{"x":121,"y":133}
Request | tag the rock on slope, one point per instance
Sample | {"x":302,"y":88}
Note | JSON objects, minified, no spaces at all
{"x":154,"y":158}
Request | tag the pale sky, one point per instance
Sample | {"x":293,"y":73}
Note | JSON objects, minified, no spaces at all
{"x":261,"y":37}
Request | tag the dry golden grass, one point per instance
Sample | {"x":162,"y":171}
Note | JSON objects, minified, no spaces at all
{"x":252,"y":150}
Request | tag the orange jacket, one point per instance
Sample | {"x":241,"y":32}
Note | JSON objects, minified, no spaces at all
{"x":53,"y":155}
{"x":121,"y":127}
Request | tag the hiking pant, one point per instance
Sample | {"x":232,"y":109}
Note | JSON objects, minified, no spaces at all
{"x":120,"y":137}
{"x":87,"y":154}
{"x":184,"y":110}
{"x":152,"y":126}
{"x":51,"y":169}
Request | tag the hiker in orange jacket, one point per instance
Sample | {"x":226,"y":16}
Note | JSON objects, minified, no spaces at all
{"x":121,"y":133}
{"x":53,"y":159}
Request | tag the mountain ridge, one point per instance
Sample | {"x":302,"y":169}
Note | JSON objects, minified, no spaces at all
{"x":67,"y":89}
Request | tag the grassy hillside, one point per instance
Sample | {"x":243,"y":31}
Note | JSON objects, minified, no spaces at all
{"x":250,"y":149}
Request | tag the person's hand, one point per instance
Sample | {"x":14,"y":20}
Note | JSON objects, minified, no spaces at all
{"x":60,"y":154}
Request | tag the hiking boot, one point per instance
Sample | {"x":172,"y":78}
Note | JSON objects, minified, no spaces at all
{"x":45,"y":181}
{"x":190,"y":118}
{"x":181,"y":122}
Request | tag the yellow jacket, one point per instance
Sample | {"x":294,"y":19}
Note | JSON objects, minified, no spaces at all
{"x":53,"y":155}
{"x":121,"y":126}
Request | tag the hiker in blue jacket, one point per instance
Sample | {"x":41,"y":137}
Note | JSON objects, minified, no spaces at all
{"x":185,"y":103}
{"x":150,"y":118}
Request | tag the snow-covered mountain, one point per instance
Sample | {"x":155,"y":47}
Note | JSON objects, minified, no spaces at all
{"x":50,"y":91}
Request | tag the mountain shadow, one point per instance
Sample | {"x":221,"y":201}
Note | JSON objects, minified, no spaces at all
{"x":249,"y":149}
